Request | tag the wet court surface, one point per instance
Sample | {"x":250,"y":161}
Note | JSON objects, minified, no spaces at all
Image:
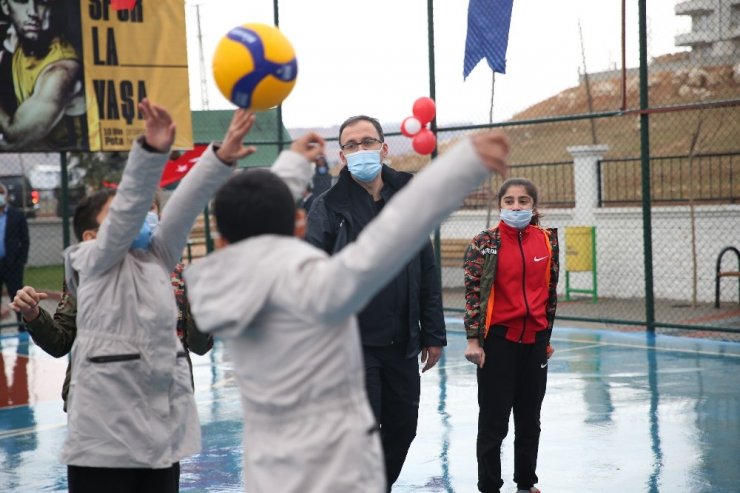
{"x":623,"y":413}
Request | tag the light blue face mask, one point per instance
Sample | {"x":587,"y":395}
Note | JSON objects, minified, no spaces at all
{"x":364,"y":165}
{"x":151,"y":221}
{"x":516,"y":219}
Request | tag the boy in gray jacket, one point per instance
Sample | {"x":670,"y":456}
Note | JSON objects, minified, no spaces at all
{"x":132,"y":416}
{"x":288,"y":312}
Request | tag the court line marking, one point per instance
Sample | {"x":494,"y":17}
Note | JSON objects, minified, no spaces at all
{"x":654,"y":348}
{"x":32,"y":429}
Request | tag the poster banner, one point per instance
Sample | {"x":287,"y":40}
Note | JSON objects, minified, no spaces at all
{"x":73,"y":71}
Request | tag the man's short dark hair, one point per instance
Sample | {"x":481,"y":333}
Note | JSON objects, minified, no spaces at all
{"x":87,"y":210}
{"x":252,"y":203}
{"x":361,"y":118}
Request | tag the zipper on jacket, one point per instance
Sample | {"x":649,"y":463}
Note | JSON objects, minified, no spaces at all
{"x":524,"y":287}
{"x":113,"y":358}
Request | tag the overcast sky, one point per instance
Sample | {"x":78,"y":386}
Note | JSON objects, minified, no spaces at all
{"x":357,"y":56}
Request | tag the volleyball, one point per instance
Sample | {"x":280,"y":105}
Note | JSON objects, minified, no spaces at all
{"x":254,"y":66}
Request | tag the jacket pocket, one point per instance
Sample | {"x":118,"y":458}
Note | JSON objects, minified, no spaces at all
{"x":113,"y":358}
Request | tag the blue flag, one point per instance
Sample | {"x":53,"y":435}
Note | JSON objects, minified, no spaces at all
{"x":488,"y":34}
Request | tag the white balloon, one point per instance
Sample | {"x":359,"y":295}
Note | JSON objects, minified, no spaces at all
{"x":411,"y":125}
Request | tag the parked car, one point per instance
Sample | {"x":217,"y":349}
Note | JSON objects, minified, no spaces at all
{"x":47,"y":179}
{"x":20,"y":194}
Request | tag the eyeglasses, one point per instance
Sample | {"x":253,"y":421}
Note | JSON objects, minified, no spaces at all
{"x":369,"y":143}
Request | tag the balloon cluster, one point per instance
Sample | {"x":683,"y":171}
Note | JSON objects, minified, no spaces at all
{"x":415,"y":126}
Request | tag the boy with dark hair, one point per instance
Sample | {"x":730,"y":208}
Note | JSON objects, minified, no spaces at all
{"x":132,"y":416}
{"x":288,"y":312}
{"x":56,"y":333}
{"x":86,"y":213}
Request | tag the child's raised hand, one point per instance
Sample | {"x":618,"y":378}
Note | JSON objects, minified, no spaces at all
{"x":493,"y":149}
{"x":310,"y":145}
{"x":160,"y":129}
{"x":232,"y":149}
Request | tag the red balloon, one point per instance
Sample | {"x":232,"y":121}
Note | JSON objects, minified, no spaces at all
{"x":424,"y":142}
{"x":424,"y":109}
{"x":411,"y":126}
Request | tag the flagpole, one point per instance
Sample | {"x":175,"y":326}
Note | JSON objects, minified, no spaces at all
{"x":489,"y":185}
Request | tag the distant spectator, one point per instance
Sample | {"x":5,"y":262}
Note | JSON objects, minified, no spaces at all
{"x":13,"y":248}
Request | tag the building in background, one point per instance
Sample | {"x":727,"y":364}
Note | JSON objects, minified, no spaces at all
{"x":715,"y":28}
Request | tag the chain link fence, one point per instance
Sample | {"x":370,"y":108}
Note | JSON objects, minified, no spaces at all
{"x":588,"y":148}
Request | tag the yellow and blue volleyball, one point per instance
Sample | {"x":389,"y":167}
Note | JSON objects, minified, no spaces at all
{"x":255,"y":66}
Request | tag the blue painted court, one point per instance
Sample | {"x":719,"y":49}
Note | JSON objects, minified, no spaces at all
{"x":623,"y":413}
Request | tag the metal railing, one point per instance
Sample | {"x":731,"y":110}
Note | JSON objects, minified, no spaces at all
{"x":703,"y":178}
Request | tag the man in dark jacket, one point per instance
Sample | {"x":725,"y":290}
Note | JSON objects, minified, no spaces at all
{"x":405,"y":318}
{"x":13,"y":247}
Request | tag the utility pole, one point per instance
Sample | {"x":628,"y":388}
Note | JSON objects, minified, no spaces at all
{"x":203,"y":81}
{"x":588,"y":86}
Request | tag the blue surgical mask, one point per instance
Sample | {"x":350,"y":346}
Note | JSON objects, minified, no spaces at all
{"x":147,"y":230}
{"x":364,"y":165}
{"x":516,"y":219}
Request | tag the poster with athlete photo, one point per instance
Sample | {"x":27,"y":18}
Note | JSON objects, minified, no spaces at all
{"x":42,"y":107}
{"x":73,"y":71}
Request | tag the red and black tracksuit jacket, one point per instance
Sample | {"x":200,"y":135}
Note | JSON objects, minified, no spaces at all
{"x":511,"y":279}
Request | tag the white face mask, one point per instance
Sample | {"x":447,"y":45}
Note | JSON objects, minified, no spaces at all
{"x":516,"y":219}
{"x":2,"y":199}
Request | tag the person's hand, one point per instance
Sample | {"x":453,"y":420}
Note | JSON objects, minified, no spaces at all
{"x":26,"y":302}
{"x":550,"y":350}
{"x":310,"y":146}
{"x":430,"y":355}
{"x":493,"y":149}
{"x":232,"y":148}
{"x":474,"y":353}
{"x":159,"y":131}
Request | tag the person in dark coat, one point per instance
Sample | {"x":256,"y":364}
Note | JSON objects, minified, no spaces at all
{"x":405,"y":318}
{"x":13,"y":248}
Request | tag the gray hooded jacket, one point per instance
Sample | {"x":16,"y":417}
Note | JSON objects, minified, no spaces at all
{"x":288,"y":311}
{"x":131,"y":402}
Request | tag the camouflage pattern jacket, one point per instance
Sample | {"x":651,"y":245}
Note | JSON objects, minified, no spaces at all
{"x":480,"y":265}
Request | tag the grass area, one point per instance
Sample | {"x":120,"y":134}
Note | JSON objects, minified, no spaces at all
{"x":48,"y":278}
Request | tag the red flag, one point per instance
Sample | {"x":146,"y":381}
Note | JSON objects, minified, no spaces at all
{"x":176,"y":169}
{"x":122,"y":4}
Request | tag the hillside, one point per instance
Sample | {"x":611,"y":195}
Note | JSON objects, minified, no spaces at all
{"x":670,"y":133}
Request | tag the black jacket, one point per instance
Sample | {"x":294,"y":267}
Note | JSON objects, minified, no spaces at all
{"x":338,"y":216}
{"x":16,"y":238}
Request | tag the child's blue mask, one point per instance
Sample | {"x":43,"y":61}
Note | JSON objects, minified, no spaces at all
{"x":147,"y":230}
{"x":364,"y":165}
{"x":516,"y":219}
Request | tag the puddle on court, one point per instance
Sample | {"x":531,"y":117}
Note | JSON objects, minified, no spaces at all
{"x":623,"y":411}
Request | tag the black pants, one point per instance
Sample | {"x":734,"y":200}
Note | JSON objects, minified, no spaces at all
{"x":11,"y":276}
{"x":513,"y":376}
{"x":115,"y":480}
{"x":393,"y":387}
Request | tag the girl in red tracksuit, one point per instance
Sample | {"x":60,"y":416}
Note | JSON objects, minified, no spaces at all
{"x":511,"y":276}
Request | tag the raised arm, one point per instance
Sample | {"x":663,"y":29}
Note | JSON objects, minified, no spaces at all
{"x":37,"y":115}
{"x":134,"y":196}
{"x":309,"y":147}
{"x":213,"y":168}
